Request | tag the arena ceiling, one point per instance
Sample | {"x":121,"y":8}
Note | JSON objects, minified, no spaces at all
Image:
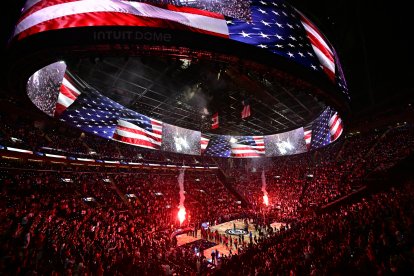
{"x":186,"y":94}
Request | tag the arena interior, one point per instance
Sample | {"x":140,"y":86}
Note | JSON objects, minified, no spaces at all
{"x":204,"y":137}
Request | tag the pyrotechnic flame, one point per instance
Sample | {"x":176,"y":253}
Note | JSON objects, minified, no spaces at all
{"x":266,"y":200}
{"x":265,"y":197}
{"x":181,"y":214}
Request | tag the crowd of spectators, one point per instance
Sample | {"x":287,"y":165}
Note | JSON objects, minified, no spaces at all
{"x":67,"y":219}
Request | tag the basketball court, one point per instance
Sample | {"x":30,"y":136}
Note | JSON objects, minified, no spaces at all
{"x":232,"y":229}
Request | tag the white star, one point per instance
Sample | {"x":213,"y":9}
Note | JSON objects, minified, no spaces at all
{"x":291,"y":45}
{"x":279,"y":25}
{"x":265,"y":23}
{"x":279,"y":46}
{"x":264,"y":35}
{"x":290,"y":54}
{"x":309,"y":53}
{"x":285,"y":14}
{"x":279,"y":37}
{"x":274,"y":4}
{"x":292,"y":37}
{"x":313,"y":67}
{"x":245,"y":34}
{"x":229,"y":22}
{"x":262,"y":46}
{"x":276,"y":13}
{"x":78,"y":125}
{"x":262,"y":11}
{"x":301,"y":54}
{"x":290,"y":26}
{"x":95,"y":132}
{"x":263,"y":3}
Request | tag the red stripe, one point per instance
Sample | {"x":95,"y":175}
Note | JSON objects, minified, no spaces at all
{"x":135,"y":141}
{"x":310,"y":24}
{"x":193,"y":11}
{"x":315,"y":42}
{"x":137,"y":131}
{"x":68,"y":92}
{"x":41,"y":5}
{"x":330,"y":74}
{"x":246,"y":155}
{"x":109,"y":19}
{"x":338,"y":131}
{"x":334,"y":121}
{"x":59,"y":109}
{"x":248,"y":148}
{"x":156,"y":123}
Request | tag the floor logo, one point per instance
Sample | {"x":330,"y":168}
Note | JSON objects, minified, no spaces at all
{"x":236,"y":231}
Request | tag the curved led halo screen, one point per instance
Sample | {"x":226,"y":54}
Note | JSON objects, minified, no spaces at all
{"x":271,"y":25}
{"x":59,"y":94}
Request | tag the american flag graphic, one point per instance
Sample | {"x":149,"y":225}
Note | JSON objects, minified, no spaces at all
{"x":326,"y":128}
{"x":274,"y":26}
{"x":219,"y":146}
{"x":142,"y":131}
{"x":248,"y":146}
{"x":320,"y":47}
{"x":204,"y":143}
{"x":95,"y":114}
{"x":67,"y":95}
{"x":99,"y":115}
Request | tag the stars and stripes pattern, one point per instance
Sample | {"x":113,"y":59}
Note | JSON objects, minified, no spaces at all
{"x":99,"y":115}
{"x":143,"y":131}
{"x":67,"y":95}
{"x":320,"y":46}
{"x":320,"y":130}
{"x":326,"y":128}
{"x":335,"y":126}
{"x":204,"y":142}
{"x":219,"y":146}
{"x":276,"y":27}
{"x":95,"y":114}
{"x":248,"y":146}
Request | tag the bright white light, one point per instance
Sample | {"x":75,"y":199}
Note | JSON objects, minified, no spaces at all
{"x":180,"y":143}
{"x":266,"y":200}
{"x":284,"y":146}
{"x":185,"y":63}
{"x":181,"y":214}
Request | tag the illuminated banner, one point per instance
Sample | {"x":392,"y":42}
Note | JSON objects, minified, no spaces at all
{"x":291,"y":142}
{"x":180,"y":140}
{"x":271,"y":25}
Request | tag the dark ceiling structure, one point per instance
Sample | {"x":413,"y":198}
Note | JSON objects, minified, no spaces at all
{"x":186,"y":93}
